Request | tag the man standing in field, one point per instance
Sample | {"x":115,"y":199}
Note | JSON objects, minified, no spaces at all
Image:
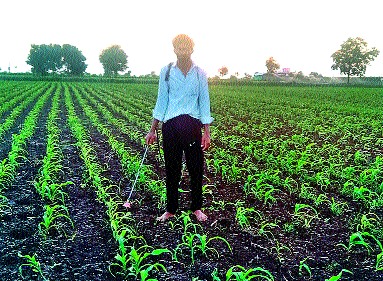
{"x":183,"y":105}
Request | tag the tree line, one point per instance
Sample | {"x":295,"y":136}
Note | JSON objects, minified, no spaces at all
{"x":351,"y":59}
{"x":68,"y":59}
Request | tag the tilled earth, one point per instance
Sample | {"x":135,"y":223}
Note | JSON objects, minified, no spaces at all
{"x":85,"y":252}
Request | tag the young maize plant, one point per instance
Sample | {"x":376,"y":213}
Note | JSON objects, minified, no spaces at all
{"x":50,"y":219}
{"x":33,"y":264}
{"x":304,"y":268}
{"x":240,"y":273}
{"x":245,"y":215}
{"x":337,"y":208}
{"x":193,"y":241}
{"x":379,"y":262}
{"x":304,"y":215}
{"x":339,"y":275}
{"x":134,"y":263}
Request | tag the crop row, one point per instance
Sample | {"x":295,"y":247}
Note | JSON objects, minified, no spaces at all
{"x":272,"y":147}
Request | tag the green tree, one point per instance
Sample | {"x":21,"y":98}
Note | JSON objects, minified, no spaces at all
{"x":353,"y":57}
{"x":315,"y":75}
{"x":272,"y":65}
{"x":45,"y":58}
{"x":73,"y":60}
{"x":113,"y":59}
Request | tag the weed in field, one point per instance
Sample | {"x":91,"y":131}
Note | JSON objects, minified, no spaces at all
{"x":288,"y":227}
{"x":207,"y":189}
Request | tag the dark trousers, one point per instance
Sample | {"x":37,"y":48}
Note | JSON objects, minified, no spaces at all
{"x":182,"y":134}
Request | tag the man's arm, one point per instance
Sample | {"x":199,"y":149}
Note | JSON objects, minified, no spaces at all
{"x":154,"y":125}
{"x":204,"y":100}
{"x":162,"y":98}
{"x":159,"y":108}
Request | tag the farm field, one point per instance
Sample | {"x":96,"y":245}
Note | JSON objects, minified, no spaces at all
{"x":293,"y":186}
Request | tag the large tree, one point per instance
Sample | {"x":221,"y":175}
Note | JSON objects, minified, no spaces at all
{"x":45,"y":58}
{"x":113,"y":59}
{"x":52,"y":58}
{"x":353,"y":57}
{"x":73,"y":60}
{"x":272,"y":65}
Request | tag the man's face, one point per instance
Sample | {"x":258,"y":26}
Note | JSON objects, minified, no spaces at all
{"x":183,"y":51}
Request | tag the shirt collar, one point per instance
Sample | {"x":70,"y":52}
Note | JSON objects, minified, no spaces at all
{"x":174,"y":65}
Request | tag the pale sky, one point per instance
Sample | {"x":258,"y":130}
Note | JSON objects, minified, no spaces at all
{"x":240,"y":34}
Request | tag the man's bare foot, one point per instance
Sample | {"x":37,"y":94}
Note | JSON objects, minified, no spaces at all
{"x":200,"y":216}
{"x":165,"y":216}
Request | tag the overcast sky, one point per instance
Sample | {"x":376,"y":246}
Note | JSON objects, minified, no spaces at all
{"x":240,"y":34}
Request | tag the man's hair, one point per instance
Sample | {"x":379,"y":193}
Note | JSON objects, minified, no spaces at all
{"x":183,"y":40}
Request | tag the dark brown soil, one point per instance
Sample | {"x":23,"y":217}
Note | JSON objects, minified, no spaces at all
{"x":88,"y":249}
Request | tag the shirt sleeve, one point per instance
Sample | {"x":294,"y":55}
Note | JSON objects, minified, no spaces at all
{"x":162,"y":98}
{"x":204,"y":100}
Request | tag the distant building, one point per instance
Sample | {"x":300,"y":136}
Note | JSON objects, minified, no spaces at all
{"x":286,"y":70}
{"x":258,"y":76}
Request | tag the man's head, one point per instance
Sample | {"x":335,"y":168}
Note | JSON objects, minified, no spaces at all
{"x":183,"y":46}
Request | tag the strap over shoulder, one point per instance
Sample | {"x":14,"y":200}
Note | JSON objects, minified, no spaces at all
{"x":168,"y":72}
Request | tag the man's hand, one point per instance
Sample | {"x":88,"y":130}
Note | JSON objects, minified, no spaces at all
{"x":205,"y":141}
{"x":150,"y":138}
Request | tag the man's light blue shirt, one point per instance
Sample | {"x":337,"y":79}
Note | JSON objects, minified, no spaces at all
{"x":187,"y":95}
